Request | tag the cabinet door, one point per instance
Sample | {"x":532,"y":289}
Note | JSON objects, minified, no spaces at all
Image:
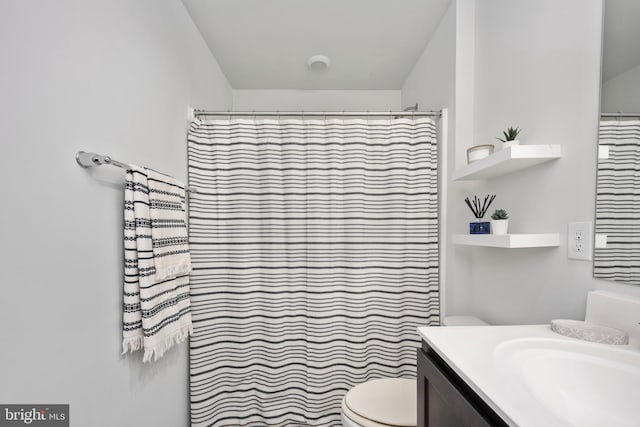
{"x":444,"y":400}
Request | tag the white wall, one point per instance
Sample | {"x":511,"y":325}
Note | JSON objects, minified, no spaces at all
{"x":316,"y":100}
{"x":622,"y":93}
{"x":537,"y":66}
{"x":436,"y":82}
{"x":431,"y":82}
{"x":116,"y":77}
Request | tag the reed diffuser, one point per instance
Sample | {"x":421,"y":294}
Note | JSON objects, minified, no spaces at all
{"x":479,"y":209}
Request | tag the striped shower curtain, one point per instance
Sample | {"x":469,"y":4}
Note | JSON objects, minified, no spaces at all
{"x":618,"y":202}
{"x":315,"y":257}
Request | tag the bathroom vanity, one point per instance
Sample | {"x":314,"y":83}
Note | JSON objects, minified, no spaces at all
{"x":526,"y":376}
{"x":444,"y":399}
{"x":529,"y":376}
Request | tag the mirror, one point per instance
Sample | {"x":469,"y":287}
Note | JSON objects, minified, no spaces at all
{"x":617,"y":223}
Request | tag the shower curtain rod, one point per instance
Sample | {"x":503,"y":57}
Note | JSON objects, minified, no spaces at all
{"x":320,"y":113}
{"x":91,"y":160}
{"x":621,"y":115}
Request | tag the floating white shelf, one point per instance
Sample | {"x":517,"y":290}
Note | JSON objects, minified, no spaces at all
{"x":508,"y":240}
{"x":508,"y":160}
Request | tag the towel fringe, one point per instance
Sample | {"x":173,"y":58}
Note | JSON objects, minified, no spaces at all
{"x":131,"y":344}
{"x":175,"y":337}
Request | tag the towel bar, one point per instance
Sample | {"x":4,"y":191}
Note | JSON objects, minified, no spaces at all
{"x":91,"y":160}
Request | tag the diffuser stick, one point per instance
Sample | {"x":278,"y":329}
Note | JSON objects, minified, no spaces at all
{"x":479,"y":207}
{"x":468,"y":202}
{"x":489,"y":204}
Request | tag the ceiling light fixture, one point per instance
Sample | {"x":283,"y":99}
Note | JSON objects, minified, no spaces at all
{"x":318,"y":63}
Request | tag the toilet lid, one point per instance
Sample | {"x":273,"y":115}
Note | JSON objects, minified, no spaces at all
{"x":391,"y":401}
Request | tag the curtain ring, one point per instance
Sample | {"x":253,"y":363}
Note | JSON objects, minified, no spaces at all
{"x":229,"y":114}
{"x":278,"y":112}
{"x":254,"y":115}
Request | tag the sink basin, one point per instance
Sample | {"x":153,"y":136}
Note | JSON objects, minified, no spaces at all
{"x":578,"y":383}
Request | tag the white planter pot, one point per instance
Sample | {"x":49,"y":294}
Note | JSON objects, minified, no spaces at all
{"x":499,"y":226}
{"x":510,"y":143}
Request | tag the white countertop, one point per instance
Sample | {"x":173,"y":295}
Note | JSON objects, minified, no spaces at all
{"x":469,"y":350}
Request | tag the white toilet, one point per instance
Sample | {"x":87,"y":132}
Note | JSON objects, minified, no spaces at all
{"x":385,"y":402}
{"x":462,"y":321}
{"x":390,"y":402}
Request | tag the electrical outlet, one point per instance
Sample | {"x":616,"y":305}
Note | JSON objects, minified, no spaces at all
{"x":579,"y":240}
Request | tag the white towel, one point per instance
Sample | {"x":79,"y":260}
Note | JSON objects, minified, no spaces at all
{"x":170,"y":240}
{"x":157,"y":308}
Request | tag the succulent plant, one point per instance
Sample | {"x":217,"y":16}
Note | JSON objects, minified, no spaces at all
{"x":510,"y":134}
{"x":500,"y":214}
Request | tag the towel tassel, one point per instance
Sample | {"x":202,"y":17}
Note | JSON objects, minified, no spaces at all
{"x":175,"y":338}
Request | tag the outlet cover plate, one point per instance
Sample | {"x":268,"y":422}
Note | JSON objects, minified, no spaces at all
{"x":580,"y":240}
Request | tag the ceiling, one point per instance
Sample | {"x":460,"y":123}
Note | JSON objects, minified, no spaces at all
{"x":265,"y":44}
{"x":621,"y":44}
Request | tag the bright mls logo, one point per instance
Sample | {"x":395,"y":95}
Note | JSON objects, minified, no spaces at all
{"x":34,"y":415}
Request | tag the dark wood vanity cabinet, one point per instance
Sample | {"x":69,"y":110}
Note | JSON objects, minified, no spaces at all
{"x":445,"y":400}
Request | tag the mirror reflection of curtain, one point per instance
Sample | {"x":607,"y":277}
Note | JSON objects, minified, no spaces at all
{"x":617,"y":253}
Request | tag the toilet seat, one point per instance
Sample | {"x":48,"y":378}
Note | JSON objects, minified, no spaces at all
{"x":385,"y":402}
{"x":358,"y":421}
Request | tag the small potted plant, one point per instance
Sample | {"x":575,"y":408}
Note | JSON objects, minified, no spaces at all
{"x":499,"y":221}
{"x":510,"y":137}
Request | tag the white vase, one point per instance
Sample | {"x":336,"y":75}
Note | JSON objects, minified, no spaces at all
{"x":506,"y":144}
{"x":499,"y":226}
